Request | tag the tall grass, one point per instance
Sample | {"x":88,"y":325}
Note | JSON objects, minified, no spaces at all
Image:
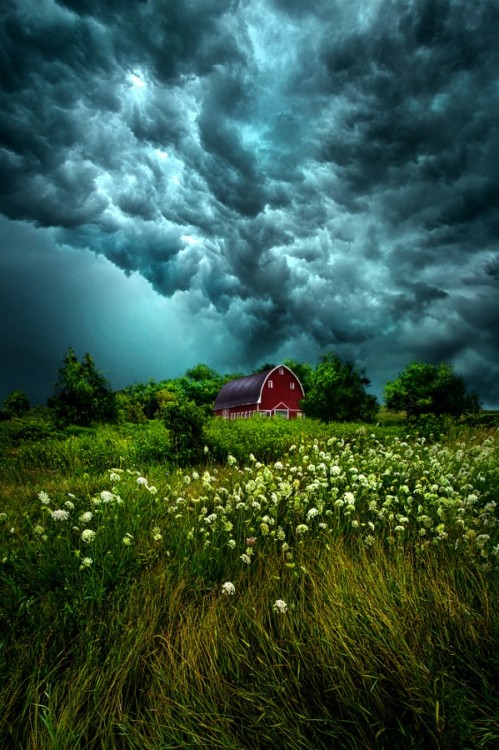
{"x":372,"y":652}
{"x":384,"y":637}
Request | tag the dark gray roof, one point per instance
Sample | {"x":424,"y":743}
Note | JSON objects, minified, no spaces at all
{"x":242,"y":391}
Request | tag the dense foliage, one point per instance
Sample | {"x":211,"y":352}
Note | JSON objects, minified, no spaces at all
{"x":430,"y":389}
{"x":81,"y":393}
{"x":337,"y":393}
{"x":185,"y":421}
{"x":16,"y":404}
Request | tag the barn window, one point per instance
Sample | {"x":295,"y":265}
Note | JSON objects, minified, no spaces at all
{"x":292,"y":386}
{"x":271,"y":384}
{"x":281,"y":371}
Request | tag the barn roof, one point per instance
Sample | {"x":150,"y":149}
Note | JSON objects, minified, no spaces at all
{"x":241,"y":391}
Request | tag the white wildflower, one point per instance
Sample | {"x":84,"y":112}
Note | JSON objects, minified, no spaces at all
{"x":45,"y":499}
{"x":228,"y":589}
{"x":106,"y":496}
{"x":86,"y":517}
{"x":86,"y":563}
{"x":280,"y":606}
{"x":142,"y":481}
{"x":69,"y":505}
{"x":301,"y":528}
{"x":246,"y":558}
{"x":88,"y":535}
{"x":60,"y":515}
{"x":114,"y":477}
{"x":481,"y":539}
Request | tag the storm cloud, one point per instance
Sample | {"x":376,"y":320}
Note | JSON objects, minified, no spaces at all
{"x":284,"y":177}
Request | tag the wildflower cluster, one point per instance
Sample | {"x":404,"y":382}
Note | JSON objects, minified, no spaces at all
{"x":397,"y":491}
{"x":91,"y":524}
{"x":368,"y":490}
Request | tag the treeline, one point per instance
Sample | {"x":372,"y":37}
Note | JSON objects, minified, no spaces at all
{"x":335,"y":391}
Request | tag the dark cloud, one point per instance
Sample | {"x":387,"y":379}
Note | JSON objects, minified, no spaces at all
{"x":292,"y":176}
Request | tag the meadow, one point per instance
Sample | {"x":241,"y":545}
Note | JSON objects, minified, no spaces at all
{"x":304,"y":586}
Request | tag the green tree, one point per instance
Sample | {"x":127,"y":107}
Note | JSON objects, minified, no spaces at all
{"x":201,"y":385}
{"x":81,"y":393}
{"x":185,"y":421}
{"x":336,"y":393}
{"x":430,"y":389}
{"x":16,"y":404}
{"x":142,"y":401}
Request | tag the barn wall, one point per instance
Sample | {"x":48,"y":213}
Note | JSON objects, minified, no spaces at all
{"x":281,"y":394}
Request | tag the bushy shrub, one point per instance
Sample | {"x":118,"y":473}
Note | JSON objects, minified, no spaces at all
{"x":16,"y":404}
{"x":185,"y":422}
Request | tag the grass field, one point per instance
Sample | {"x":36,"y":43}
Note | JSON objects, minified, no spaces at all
{"x":306,"y":586}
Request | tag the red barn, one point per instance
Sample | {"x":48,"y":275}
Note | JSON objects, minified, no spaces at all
{"x":276,"y":391}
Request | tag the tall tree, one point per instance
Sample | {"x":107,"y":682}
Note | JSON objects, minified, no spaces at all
{"x":81,"y":393}
{"x":337,"y":393}
{"x":430,"y":389}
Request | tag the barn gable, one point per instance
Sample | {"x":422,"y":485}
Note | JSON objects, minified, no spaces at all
{"x":277,"y":390}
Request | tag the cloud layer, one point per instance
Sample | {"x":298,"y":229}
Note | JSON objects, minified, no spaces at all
{"x":303,"y":175}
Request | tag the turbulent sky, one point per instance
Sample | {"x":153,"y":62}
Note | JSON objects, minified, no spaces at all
{"x":241,"y":181}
